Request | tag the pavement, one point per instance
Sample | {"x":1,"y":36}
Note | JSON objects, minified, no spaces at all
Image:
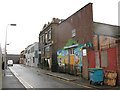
{"x":10,"y":82}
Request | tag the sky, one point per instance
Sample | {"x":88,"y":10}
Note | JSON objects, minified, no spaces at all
{"x":31,"y":15}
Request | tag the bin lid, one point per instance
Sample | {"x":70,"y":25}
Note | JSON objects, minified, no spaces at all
{"x":95,"y":68}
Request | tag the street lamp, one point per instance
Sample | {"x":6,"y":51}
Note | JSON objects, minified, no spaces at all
{"x":6,"y":44}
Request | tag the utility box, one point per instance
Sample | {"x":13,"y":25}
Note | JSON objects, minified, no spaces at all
{"x":96,"y":75}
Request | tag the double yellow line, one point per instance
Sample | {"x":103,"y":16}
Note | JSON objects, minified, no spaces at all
{"x":84,"y":86}
{"x":21,"y":79}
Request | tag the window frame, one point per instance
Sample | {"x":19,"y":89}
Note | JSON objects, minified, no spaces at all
{"x":50,"y":34}
{"x":46,"y":37}
{"x":73,"y":32}
{"x":43,"y":38}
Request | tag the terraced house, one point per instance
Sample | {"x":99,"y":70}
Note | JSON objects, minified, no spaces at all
{"x":47,"y":44}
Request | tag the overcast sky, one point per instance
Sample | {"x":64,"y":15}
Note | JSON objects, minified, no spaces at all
{"x":31,"y":15}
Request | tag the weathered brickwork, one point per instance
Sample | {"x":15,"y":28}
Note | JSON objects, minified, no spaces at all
{"x":105,"y":42}
{"x":82,"y":23}
{"x":118,"y":54}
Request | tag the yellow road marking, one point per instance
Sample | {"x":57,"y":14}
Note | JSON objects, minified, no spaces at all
{"x":23,"y":80}
{"x":26,"y":82}
{"x":55,"y":78}
{"x":73,"y":83}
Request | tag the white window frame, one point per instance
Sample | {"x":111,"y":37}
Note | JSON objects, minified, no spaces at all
{"x":73,"y":32}
{"x":45,"y":37}
{"x":49,"y":34}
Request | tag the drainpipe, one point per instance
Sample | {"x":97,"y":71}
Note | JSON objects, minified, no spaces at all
{"x":98,"y":42}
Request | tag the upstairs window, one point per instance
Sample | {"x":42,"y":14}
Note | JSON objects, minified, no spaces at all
{"x":46,"y":38}
{"x":73,"y":33}
{"x":43,"y":38}
{"x":49,"y":35}
{"x":43,"y":51}
{"x":40,"y":40}
{"x":28,"y":51}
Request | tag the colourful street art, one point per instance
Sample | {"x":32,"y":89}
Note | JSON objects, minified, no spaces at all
{"x":62,"y":57}
{"x":78,"y":58}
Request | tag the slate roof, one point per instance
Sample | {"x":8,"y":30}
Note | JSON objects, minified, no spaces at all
{"x":106,"y":29}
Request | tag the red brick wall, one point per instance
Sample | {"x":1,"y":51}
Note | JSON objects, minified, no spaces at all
{"x":104,"y":42}
{"x":86,"y":65}
{"x":82,"y":21}
{"x":118,"y":58}
{"x":95,"y":42}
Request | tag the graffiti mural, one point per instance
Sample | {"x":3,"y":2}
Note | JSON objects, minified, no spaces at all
{"x":78,"y":58}
{"x":62,"y":57}
{"x":65,"y":57}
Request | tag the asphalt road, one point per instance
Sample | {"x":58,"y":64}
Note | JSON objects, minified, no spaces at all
{"x":30,"y":78}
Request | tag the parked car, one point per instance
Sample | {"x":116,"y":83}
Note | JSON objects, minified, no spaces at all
{"x":10,"y":62}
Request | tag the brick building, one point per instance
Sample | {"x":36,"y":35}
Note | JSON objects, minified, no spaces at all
{"x":73,"y":39}
{"x":74,"y":34}
{"x":105,"y":36}
{"x":106,"y":48}
{"x":47,"y":39}
{"x":77,"y":33}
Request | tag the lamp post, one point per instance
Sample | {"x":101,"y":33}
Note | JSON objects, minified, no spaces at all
{"x":6,"y":44}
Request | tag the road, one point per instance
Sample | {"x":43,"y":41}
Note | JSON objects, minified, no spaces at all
{"x":32,"y":79}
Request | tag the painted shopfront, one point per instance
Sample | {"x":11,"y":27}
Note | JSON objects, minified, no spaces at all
{"x":72,"y":54}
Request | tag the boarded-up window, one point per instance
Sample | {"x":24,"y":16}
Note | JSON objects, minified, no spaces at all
{"x":104,"y":61}
{"x":97,"y":60}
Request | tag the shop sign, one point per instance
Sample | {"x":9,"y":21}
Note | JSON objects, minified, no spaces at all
{"x":84,"y":52}
{"x":71,"y":46}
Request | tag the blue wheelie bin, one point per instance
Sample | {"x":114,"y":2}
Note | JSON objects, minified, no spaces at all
{"x":96,"y":75}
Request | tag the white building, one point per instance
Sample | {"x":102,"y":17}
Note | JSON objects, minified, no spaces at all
{"x":31,"y":55}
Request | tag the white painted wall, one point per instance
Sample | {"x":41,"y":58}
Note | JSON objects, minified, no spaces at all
{"x":30,"y":56}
